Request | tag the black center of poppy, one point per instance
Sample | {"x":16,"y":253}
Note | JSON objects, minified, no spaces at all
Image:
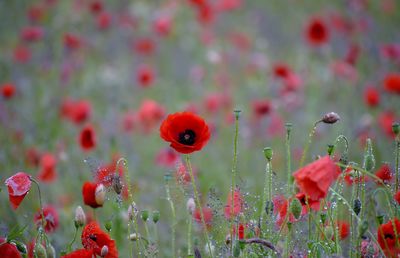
{"x":93,"y":237}
{"x":187,"y":137}
{"x":389,"y":236}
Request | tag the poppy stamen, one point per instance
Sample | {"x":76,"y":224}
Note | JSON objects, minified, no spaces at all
{"x":187,"y":137}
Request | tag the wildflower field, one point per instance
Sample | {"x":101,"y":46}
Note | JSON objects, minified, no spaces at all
{"x":199,"y":128}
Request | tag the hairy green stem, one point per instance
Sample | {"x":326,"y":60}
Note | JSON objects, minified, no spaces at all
{"x":288,"y":158}
{"x":233,"y":175}
{"x":307,"y":147}
{"x":171,"y":204}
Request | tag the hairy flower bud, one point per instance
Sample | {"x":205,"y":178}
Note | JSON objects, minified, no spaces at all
{"x":190,"y":205}
{"x":104,"y":251}
{"x":144,"y":215}
{"x":295,"y":208}
{"x":40,"y":251}
{"x":396,"y":128}
{"x":20,"y":246}
{"x":268,"y":153}
{"x":132,"y":211}
{"x":156,"y":216}
{"x":330,"y":118}
{"x":100,"y":194}
{"x":80,"y":217}
{"x":51,"y":252}
{"x":108,"y":225}
{"x":357,"y":206}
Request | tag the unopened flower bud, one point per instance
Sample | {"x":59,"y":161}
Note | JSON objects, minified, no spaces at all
{"x":228,"y":239}
{"x":379,"y":218}
{"x":51,"y":252}
{"x":357,"y":206}
{"x":156,"y":216}
{"x":330,"y":118}
{"x":40,"y":251}
{"x":20,"y":246}
{"x":144,"y":215}
{"x":328,"y":232}
{"x":80,"y":217}
{"x":134,"y":237}
{"x":323,"y":217}
{"x":100,"y":194}
{"x":190,"y":205}
{"x":269,"y":207}
{"x":331,"y":149}
{"x":104,"y":251}
{"x":362,"y":228}
{"x":108,"y":225}
{"x":268,"y":153}
{"x":295,"y":208}
{"x":396,"y":128}
{"x":132,"y":211}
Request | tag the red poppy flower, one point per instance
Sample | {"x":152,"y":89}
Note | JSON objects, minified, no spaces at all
{"x":18,"y":186}
{"x":93,"y":194}
{"x":390,"y":51}
{"x":7,"y":90}
{"x":145,"y":76}
{"x":261,"y":108}
{"x":385,"y":121}
{"x":387,"y":237}
{"x":241,"y":231}
{"x":79,"y":111}
{"x":96,"y":6}
{"x":32,"y":33}
{"x":47,"y":171}
{"x":50,"y":217}
{"x":93,"y":238}
{"x":314,"y":204}
{"x":144,"y":46}
{"x":391,"y":83}
{"x":72,"y":41}
{"x":237,"y":204}
{"x":182,"y":175}
{"x":207,"y":214}
{"x":281,"y":70}
{"x":80,"y":253}
{"x":185,"y":131}
{"x":87,"y":138}
{"x":281,"y":206}
{"x":8,"y":250}
{"x":36,"y":13}
{"x":344,"y":229}
{"x":397,"y":197}
{"x":162,"y":25}
{"x":371,"y":97}
{"x":22,"y":54}
{"x":315,"y":179}
{"x":104,"y":173}
{"x":149,"y":114}
{"x":352,"y":177}
{"x":384,"y":173}
{"x":317,"y":32}
{"x":103,"y":20}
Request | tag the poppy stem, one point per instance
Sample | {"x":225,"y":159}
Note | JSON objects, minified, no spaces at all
{"x":69,"y":247}
{"x":307,"y":147}
{"x":40,"y":201}
{"x":288,"y":158}
{"x":267,"y":198}
{"x":196,"y":196}
{"x":234,"y":168}
{"x":397,"y":141}
{"x":189,"y":244}
{"x":171,"y":203}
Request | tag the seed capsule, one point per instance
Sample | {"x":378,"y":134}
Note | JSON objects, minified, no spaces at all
{"x":330,"y":118}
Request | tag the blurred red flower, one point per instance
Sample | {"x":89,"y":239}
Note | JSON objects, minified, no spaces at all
{"x":89,"y":194}
{"x":352,"y":177}
{"x":144,"y":46}
{"x":391,"y":83}
{"x":167,"y":157}
{"x":104,"y":20}
{"x":93,"y":238}
{"x":18,"y":187}
{"x":8,"y":250}
{"x":384,"y":173}
{"x":314,"y":204}
{"x":371,"y":97}
{"x":145,"y":76}
{"x":87,"y":138}
{"x":80,"y":253}
{"x":36,"y":13}
{"x":344,"y":229}
{"x":72,"y":41}
{"x":7,"y":90}
{"x":47,"y":171}
{"x":96,"y":6}
{"x":385,"y":121}
{"x":32,"y":33}
{"x":50,"y":217}
{"x":261,"y":107}
{"x":397,"y":197}
{"x":315,"y":179}
{"x":162,"y":25}
{"x":149,"y":114}
{"x":207,"y":214}
{"x":387,"y":237}
{"x":79,"y":111}
{"x":22,"y":54}
{"x":317,"y":32}
{"x":237,"y":204}
{"x":185,"y":131}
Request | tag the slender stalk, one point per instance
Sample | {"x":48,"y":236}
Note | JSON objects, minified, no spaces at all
{"x":267,"y":197}
{"x":234,"y":168}
{"x":197,"y":199}
{"x":69,"y":247}
{"x":189,"y":243}
{"x":288,"y":158}
{"x":40,"y":201}
{"x":171,"y":203}
{"x":307,"y":147}
{"x":397,"y":163}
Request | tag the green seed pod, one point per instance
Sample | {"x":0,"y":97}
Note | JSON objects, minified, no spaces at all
{"x":396,"y":128}
{"x":145,"y":215}
{"x":236,"y":249}
{"x":268,"y":153}
{"x":295,"y":208}
{"x":40,"y":251}
{"x":156,"y":216}
{"x":51,"y":252}
{"x":362,"y":228}
{"x":108,"y":225}
{"x":237,"y":113}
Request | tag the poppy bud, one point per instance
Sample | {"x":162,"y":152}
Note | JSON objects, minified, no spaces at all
{"x":369,"y":159}
{"x":357,"y":206}
{"x":51,"y":252}
{"x":331,"y":149}
{"x":236,"y":249}
{"x":156,"y":216}
{"x":379,"y":218}
{"x":80,"y":217}
{"x":20,"y":246}
{"x":295,"y":208}
{"x":328,"y":232}
{"x":145,"y":215}
{"x":108,"y":225}
{"x":132,"y":211}
{"x":190,"y":205}
{"x":228,"y":239}
{"x":330,"y":118}
{"x":40,"y":251}
{"x":116,"y":184}
{"x":268,"y":153}
{"x":396,"y":128}
{"x":100,"y":194}
{"x":104,"y":251}
{"x":362,"y":228}
{"x":134,"y":237}
{"x":323,"y":217}
{"x":269,"y":207}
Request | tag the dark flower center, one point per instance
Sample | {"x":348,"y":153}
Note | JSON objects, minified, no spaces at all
{"x":389,"y":236}
{"x":93,"y":237}
{"x":187,"y":137}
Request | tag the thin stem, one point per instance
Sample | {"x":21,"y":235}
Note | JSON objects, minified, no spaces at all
{"x":171,"y":203}
{"x":196,"y":196}
{"x":288,"y":158}
{"x":189,"y":243}
{"x":69,"y":247}
{"x":267,"y":198}
{"x":307,"y":147}
{"x":234,"y":168}
{"x":397,"y":163}
{"x":40,"y":201}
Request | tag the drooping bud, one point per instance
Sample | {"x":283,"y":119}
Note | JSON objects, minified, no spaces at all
{"x":134,"y":237}
{"x":144,"y":215}
{"x":51,"y":252}
{"x":295,"y":208}
{"x":155,"y":216}
{"x":269,"y":207}
{"x":323,"y":217}
{"x":100,"y":194}
{"x":104,"y":251}
{"x":40,"y":251}
{"x":108,"y":225}
{"x":330,"y":118}
{"x":396,"y":128}
{"x":190,"y":205}
{"x":268,"y":153}
{"x":357,"y":206}
{"x":116,"y":183}
{"x":132,"y":211}
{"x":369,"y":159}
{"x":362,"y":228}
{"x":80,"y":217}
